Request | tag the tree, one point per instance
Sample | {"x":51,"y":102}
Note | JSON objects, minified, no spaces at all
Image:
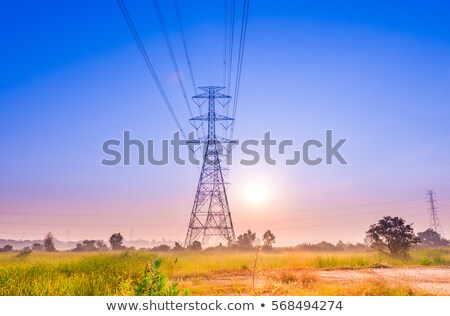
{"x":37,"y":247}
{"x":6,"y":248}
{"x":89,"y":245}
{"x":268,"y":239}
{"x":431,"y":238}
{"x":79,"y":247}
{"x":392,"y":236}
{"x":100,"y":245}
{"x":49,"y":242}
{"x":340,"y":245}
{"x":177,"y":247}
{"x":196,"y":246}
{"x":116,"y":241}
{"x":246,"y":240}
{"x":161,"y":248}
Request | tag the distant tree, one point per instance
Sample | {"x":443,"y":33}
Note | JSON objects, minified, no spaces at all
{"x":321,"y":246}
{"x":268,"y":239}
{"x":116,"y":241}
{"x":37,"y":247}
{"x":325,"y":246}
{"x":178,"y":247}
{"x":357,"y":246}
{"x":162,"y":248}
{"x":89,"y":245}
{"x":392,"y":236}
{"x":246,"y":240}
{"x":195,"y":246}
{"x":49,"y":242}
{"x":220,"y":247}
{"x":79,"y":247}
{"x":100,"y":245}
{"x":431,"y":238}
{"x":340,"y":245}
{"x":7,"y":248}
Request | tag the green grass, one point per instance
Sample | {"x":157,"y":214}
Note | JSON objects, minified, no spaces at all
{"x":68,"y":273}
{"x":115,"y":273}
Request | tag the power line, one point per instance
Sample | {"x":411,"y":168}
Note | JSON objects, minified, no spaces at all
{"x":244,"y":222}
{"x":225,"y":42}
{"x":340,"y":215}
{"x":165,"y":215}
{"x":57,"y":233}
{"x":230,"y":45}
{"x":84,"y":225}
{"x":185,"y":45}
{"x":149,"y":64}
{"x":278,"y":229}
{"x":164,"y":226}
{"x":188,"y":58}
{"x":336,"y":224}
{"x":240,"y":61}
{"x":364,"y":205}
{"x":172,"y":55}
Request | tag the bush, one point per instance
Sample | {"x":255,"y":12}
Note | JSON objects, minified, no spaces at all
{"x":154,"y":282}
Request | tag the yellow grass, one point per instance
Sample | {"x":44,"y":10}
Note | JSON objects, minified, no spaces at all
{"x":205,"y":273}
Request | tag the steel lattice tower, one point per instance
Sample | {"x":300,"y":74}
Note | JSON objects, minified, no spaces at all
{"x":432,"y":207}
{"x":211,"y":215}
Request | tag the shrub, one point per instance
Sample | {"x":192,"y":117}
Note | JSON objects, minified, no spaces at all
{"x":154,"y":282}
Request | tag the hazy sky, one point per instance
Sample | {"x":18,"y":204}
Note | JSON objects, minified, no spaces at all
{"x":72,"y":77}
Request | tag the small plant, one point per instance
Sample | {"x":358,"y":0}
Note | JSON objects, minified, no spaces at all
{"x":256,"y":260}
{"x":425,"y":262}
{"x":154,"y":282}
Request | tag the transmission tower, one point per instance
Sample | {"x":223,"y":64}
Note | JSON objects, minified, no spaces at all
{"x":211,"y":217}
{"x":435,"y":224}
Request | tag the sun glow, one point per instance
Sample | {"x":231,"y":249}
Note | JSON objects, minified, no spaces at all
{"x":256,"y":193}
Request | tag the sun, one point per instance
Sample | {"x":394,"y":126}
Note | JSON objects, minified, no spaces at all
{"x":256,"y":193}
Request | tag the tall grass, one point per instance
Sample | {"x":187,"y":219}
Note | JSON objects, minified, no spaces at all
{"x":111,"y":273}
{"x":68,"y":273}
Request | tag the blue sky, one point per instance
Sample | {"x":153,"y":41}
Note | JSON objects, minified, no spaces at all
{"x":373,"y":72}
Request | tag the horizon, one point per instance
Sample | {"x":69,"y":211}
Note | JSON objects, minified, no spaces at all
{"x":75,"y":79}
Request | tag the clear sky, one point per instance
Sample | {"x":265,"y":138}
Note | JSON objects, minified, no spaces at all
{"x":374,"y":72}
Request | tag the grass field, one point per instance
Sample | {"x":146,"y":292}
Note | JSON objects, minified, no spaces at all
{"x":221,"y":273}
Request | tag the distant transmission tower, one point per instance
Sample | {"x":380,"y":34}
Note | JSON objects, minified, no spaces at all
{"x":211,"y":217}
{"x":432,"y":207}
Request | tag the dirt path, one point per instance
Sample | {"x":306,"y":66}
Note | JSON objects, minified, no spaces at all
{"x":427,"y":280}
{"x":432,"y":280}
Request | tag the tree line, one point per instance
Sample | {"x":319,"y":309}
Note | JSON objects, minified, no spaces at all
{"x":390,"y":236}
